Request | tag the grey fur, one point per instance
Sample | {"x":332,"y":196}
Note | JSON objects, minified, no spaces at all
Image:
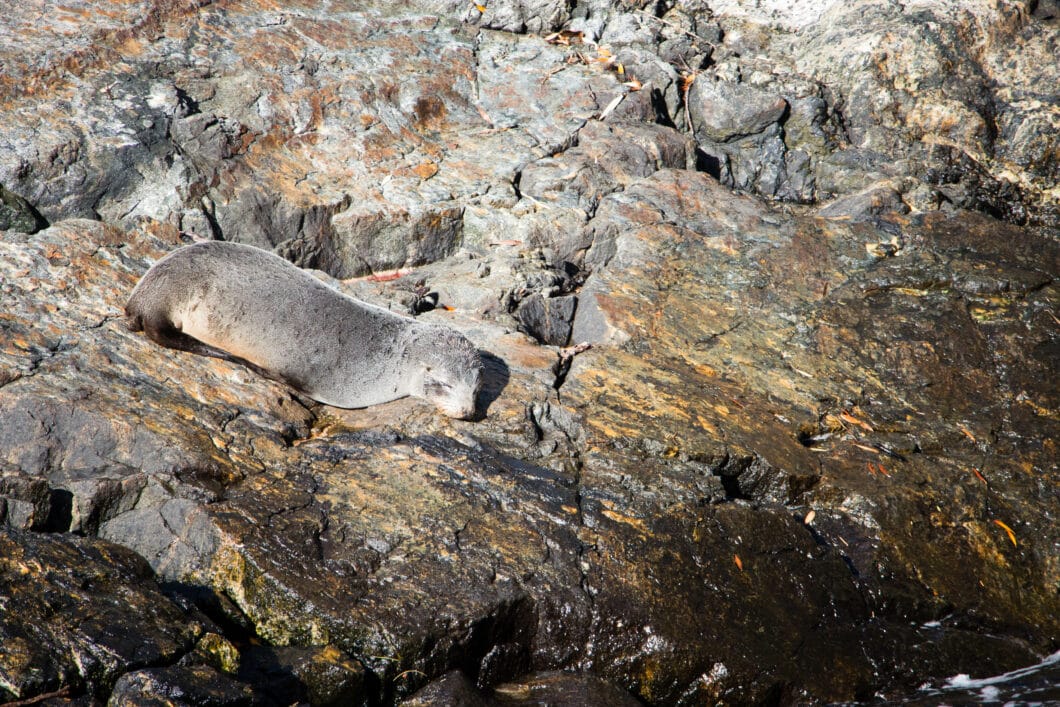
{"x":245,"y":304}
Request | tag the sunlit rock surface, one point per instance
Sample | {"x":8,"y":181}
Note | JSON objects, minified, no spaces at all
{"x":768,"y":301}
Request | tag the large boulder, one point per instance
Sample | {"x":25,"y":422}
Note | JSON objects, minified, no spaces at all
{"x":732,"y":450}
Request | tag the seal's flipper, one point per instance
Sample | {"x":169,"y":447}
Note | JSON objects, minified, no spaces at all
{"x":169,"y":336}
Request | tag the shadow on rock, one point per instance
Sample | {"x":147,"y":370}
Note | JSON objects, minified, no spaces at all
{"x":494,"y":381}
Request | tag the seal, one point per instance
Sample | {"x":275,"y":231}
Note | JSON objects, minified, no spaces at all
{"x":248,"y":305}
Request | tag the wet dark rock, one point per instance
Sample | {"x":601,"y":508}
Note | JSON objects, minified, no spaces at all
{"x":179,"y":686}
{"x":562,"y":689}
{"x":320,"y":676}
{"x":453,"y":688}
{"x":547,"y":688}
{"x":78,"y":614}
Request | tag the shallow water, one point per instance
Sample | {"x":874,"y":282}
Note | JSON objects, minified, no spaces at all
{"x":1037,"y":684}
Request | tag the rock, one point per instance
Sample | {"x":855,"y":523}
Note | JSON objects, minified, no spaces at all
{"x":867,"y":204}
{"x":320,"y":675}
{"x":25,"y":503}
{"x":697,"y":331}
{"x":78,"y":613}
{"x":405,"y":157}
{"x":925,"y":92}
{"x":608,"y":157}
{"x":453,"y":688}
{"x":538,"y":16}
{"x":722,"y":111}
{"x":555,"y":688}
{"x":551,"y":688}
{"x":17,"y":214}
{"x":179,"y":685}
{"x":775,"y":423}
{"x":548,"y":319}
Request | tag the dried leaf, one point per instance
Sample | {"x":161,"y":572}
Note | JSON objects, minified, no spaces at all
{"x":611,"y":106}
{"x":484,"y":114}
{"x":565,"y":37}
{"x":387,"y":276}
{"x":480,"y":8}
{"x":866,"y":448}
{"x":968,"y":433}
{"x":1011,"y":535}
{"x":605,"y":57}
{"x":882,"y":470}
{"x":634,"y":85}
{"x":981,"y":477}
{"x":809,"y":517}
{"x":739,"y":562}
{"x":855,"y":421}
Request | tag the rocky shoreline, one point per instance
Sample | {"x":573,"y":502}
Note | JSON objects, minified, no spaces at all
{"x":769,"y":304}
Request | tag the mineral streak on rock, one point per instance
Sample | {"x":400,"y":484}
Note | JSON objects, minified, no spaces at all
{"x":771,"y":357}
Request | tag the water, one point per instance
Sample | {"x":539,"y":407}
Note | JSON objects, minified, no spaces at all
{"x":1033,"y":685}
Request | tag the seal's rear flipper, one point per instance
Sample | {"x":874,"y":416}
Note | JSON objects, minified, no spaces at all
{"x":171,"y":337}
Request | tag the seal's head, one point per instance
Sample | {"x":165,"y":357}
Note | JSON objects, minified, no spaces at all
{"x":451,"y":371}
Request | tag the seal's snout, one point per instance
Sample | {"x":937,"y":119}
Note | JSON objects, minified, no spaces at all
{"x":460,"y":412}
{"x":461,"y":405}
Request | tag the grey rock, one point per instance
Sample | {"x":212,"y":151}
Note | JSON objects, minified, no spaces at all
{"x":178,"y":685}
{"x":537,"y":16}
{"x":548,"y":319}
{"x":17,"y":214}
{"x":25,"y":502}
{"x":608,"y":157}
{"x":722,"y":111}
